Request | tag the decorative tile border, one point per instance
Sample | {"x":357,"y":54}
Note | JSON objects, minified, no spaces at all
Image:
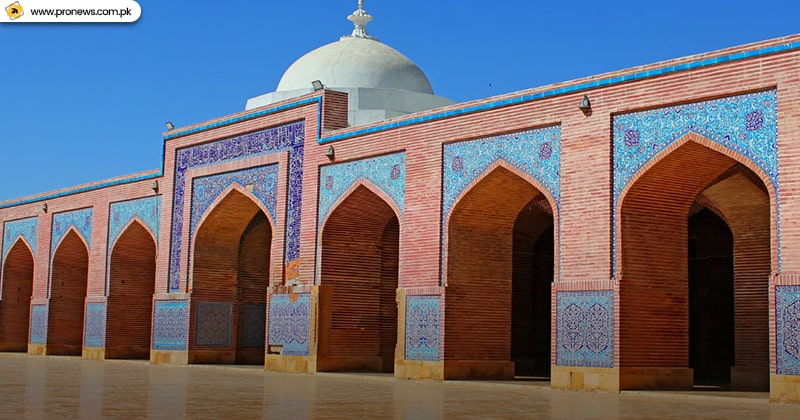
{"x":585,"y":328}
{"x":213,"y":324}
{"x":147,"y":210}
{"x":38,"y":332}
{"x":170,"y":320}
{"x":423,"y":327}
{"x":81,"y":220}
{"x":386,"y":172}
{"x":746,"y":124}
{"x":787,"y":318}
{"x":534,"y":152}
{"x":289,"y":321}
{"x":25,"y":228}
{"x":253,"y":325}
{"x":205,"y":190}
{"x":288,"y":137}
{"x":95,"y":328}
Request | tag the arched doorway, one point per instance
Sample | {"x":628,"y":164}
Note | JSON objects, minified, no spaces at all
{"x":230,"y":275}
{"x":15,"y":304}
{"x":131,"y":284}
{"x":359,"y":275}
{"x":70,"y":271}
{"x":695,"y":255}
{"x":500,"y":266}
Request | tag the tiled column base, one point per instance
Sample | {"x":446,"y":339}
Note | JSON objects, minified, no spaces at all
{"x":577,"y":378}
{"x":289,"y":364}
{"x":37,"y":349}
{"x":418,"y":370}
{"x":93,"y":353}
{"x":169,"y":357}
{"x":784,"y":388}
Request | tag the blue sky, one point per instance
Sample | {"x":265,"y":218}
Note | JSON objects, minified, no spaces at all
{"x":85,"y":102}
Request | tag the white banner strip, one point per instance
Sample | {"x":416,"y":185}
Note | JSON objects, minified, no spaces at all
{"x":71,"y":11}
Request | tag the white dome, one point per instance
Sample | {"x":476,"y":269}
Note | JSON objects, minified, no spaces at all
{"x":352,"y":62}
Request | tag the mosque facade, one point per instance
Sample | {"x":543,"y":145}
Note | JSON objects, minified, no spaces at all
{"x":630,"y":230}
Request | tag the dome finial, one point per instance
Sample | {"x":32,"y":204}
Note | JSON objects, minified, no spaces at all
{"x":360,"y":19}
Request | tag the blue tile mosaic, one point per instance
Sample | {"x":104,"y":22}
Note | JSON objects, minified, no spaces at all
{"x":585,"y":328}
{"x":289,"y":321}
{"x":787,"y":319}
{"x":386,"y":172}
{"x":170,"y":320}
{"x":38,"y":330}
{"x":81,"y":220}
{"x":288,"y":137}
{"x":423,"y":327}
{"x":94,"y":331}
{"x":213,"y":322}
{"x":535,"y":152}
{"x":25,"y":228}
{"x":746,"y":124}
{"x":147,"y":210}
{"x":253,"y":325}
{"x":206,"y":189}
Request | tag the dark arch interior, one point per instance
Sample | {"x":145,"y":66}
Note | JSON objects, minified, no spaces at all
{"x":67,"y":296}
{"x":16,"y":298}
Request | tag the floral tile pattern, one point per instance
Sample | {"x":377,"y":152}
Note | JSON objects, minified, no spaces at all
{"x":94,"y":331}
{"x":787,"y":318}
{"x":288,"y":137}
{"x":170,"y":324}
{"x":423,"y":327}
{"x":38,"y":331}
{"x":289,"y":322}
{"x":386,"y":172}
{"x":147,"y":210}
{"x":25,"y":228}
{"x":205,"y":190}
{"x":746,"y":124}
{"x":81,"y":220}
{"x":585,"y":328}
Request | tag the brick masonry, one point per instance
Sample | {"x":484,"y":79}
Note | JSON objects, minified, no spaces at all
{"x":439,"y":192}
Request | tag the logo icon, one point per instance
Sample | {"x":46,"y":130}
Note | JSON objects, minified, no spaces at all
{"x":14,"y":10}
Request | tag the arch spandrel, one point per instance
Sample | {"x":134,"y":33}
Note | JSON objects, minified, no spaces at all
{"x":146,"y":210}
{"x":78,"y":220}
{"x":742,"y":127}
{"x":385,"y":173}
{"x":23,"y":228}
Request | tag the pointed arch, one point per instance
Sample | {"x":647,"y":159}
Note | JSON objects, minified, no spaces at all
{"x":140,"y":222}
{"x":363,"y":182}
{"x":230,"y":269}
{"x":130,"y":287}
{"x":652,"y":251}
{"x":16,"y":289}
{"x":15,"y":242}
{"x":68,"y":282}
{"x":495,"y":228}
{"x":359,"y":250}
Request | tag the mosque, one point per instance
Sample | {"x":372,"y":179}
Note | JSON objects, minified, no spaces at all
{"x":630,"y":230}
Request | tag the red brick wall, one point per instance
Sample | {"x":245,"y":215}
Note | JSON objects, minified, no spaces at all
{"x":479,"y":267}
{"x":68,"y":293}
{"x":216,"y":260}
{"x":15,"y":301}
{"x":359,"y":260}
{"x":130,"y":295}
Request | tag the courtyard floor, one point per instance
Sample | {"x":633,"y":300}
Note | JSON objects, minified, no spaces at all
{"x":68,"y":387}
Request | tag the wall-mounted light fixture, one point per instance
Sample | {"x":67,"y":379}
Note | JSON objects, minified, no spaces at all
{"x":154,"y":186}
{"x":585,"y":106}
{"x":331,"y":154}
{"x":44,"y":207}
{"x":170,"y":125}
{"x":317,"y":85}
